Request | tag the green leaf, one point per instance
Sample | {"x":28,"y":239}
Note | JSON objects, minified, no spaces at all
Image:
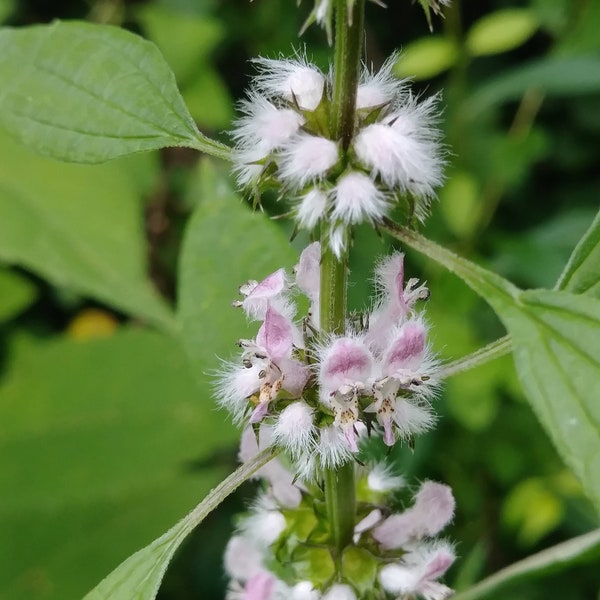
{"x":426,"y":57}
{"x":105,"y":443}
{"x":89,"y":93}
{"x":208,"y":99}
{"x":17,"y":293}
{"x":501,"y":31}
{"x":223,"y":231}
{"x":582,"y":273}
{"x":556,"y":346}
{"x":584,"y":548}
{"x":139,"y":577}
{"x":197,"y":36}
{"x":78,"y":226}
{"x":558,"y":77}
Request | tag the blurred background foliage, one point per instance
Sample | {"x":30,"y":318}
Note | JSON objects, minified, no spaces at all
{"x":116,"y":282}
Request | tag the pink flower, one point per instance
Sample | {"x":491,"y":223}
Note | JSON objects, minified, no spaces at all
{"x":432,"y":510}
{"x":267,"y":367}
{"x":416,"y":574}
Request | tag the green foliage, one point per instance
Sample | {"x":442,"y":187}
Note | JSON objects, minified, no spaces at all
{"x":555,"y":76}
{"x":139,"y":577}
{"x":501,"y":31}
{"x":583,"y":548}
{"x":426,"y":57}
{"x":16,"y":294}
{"x":80,"y":227}
{"x":189,"y":53}
{"x":582,"y":274}
{"x":98,"y":439}
{"x":89,"y":93}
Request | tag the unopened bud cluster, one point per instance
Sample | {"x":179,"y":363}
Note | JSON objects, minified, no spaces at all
{"x":321,"y":394}
{"x":280,"y":550}
{"x":285,"y":141}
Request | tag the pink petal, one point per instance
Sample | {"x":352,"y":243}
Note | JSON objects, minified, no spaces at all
{"x":438,"y":565}
{"x":398,"y":262}
{"x":295,"y":375}
{"x":259,"y":587}
{"x":345,"y":362}
{"x":270,"y":286}
{"x":388,"y":435}
{"x":308,"y":271}
{"x":407,"y":348}
{"x":350,"y":435}
{"x":259,"y":412}
{"x":275,"y":335}
{"x":434,"y":505}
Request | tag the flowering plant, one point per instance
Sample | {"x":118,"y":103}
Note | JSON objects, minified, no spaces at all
{"x":315,"y":384}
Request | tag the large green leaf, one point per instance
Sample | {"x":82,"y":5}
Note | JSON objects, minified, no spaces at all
{"x":97,"y":443}
{"x":556,"y":345}
{"x":225,"y":245}
{"x":139,"y":577}
{"x":582,"y":273}
{"x":88,"y":93}
{"x":78,"y":226}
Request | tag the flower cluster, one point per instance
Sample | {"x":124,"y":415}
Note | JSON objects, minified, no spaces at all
{"x":392,"y":555}
{"x":319,"y":394}
{"x":284,"y":140}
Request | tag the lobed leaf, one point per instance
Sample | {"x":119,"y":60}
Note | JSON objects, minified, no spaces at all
{"x":88,"y":93}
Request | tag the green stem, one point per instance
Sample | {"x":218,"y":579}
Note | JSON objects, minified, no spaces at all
{"x":490,"y":352}
{"x":339,"y":483}
{"x":349,"y":32}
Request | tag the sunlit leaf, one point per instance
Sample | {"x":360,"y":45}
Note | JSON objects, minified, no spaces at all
{"x":104,"y":444}
{"x":582,"y":273}
{"x":88,"y":93}
{"x":80,"y":227}
{"x":501,"y":31}
{"x":426,"y":57}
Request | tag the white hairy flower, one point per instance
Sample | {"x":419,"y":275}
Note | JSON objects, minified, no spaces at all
{"x":307,"y":158}
{"x":294,"y":80}
{"x":357,"y":199}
